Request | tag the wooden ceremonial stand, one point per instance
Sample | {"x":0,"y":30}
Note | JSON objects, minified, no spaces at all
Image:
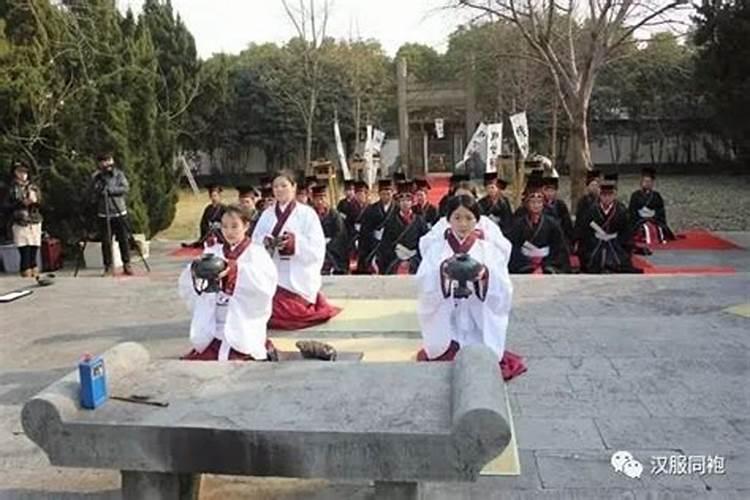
{"x":326,"y":172}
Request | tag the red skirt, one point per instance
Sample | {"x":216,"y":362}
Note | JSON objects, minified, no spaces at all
{"x":649,"y":234}
{"x":211,"y":353}
{"x":511,"y":365}
{"x":292,"y":312}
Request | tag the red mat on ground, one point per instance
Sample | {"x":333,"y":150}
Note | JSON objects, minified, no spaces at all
{"x":649,"y":268}
{"x":189,"y":253}
{"x":697,"y":239}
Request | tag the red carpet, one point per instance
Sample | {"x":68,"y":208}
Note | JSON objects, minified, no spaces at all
{"x":697,"y":239}
{"x":439,"y":184}
{"x":187,"y":253}
{"x":648,"y":268}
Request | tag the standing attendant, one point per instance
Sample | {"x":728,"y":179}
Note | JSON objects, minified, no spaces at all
{"x":292,"y":234}
{"x":26,"y":200}
{"x":230,"y":324}
{"x":448,"y":322}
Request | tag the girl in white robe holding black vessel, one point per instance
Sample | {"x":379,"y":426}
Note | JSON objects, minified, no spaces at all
{"x":446,"y":322}
{"x":292,"y":234}
{"x":230,"y":324}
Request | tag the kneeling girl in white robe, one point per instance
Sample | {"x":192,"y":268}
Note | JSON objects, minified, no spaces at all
{"x":447,"y":323}
{"x":292,"y":234}
{"x":231,"y":324}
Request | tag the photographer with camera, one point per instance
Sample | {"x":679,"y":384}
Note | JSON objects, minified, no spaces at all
{"x":109,"y":188}
{"x":26,"y":198}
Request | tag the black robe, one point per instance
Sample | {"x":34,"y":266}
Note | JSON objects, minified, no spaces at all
{"x":653,"y":201}
{"x":397,"y":232}
{"x":337,"y":252}
{"x":351,"y":212}
{"x":586,"y":202}
{"x":211,"y":217}
{"x":546,"y":234}
{"x":600,"y":256}
{"x":373,"y":220}
{"x":559,"y":210}
{"x":428,"y":211}
{"x":499,"y":211}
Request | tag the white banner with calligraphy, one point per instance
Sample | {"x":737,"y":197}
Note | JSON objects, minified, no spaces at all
{"x":439,"y":128}
{"x":521,"y":132}
{"x":494,"y":145}
{"x":341,"y":152}
{"x":477,"y":141}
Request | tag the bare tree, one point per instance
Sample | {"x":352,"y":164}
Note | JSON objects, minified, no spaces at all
{"x":310,"y":21}
{"x":574,"y":39}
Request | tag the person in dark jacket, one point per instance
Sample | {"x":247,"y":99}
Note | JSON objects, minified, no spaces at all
{"x":109,"y":189}
{"x":26,"y":199}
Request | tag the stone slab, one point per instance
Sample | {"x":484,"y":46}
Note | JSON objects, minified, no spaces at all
{"x":306,"y":419}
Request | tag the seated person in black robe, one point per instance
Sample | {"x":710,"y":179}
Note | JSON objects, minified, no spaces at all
{"x":455,"y":180}
{"x":210,"y":224}
{"x":494,"y":204}
{"x":538,"y":242}
{"x":422,"y":205}
{"x":248,"y":198}
{"x":648,"y":214}
{"x":374,"y":218}
{"x":556,"y":207}
{"x":398,"y":252}
{"x":593,"y":178}
{"x":267,"y":199}
{"x":605,"y":233}
{"x":337,"y":256}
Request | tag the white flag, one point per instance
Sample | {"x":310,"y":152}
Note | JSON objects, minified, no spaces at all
{"x":477,"y":141}
{"x":340,"y":150}
{"x":369,"y":160}
{"x":521,"y":132}
{"x":439,"y":128}
{"x":378,"y":138}
{"x":494,"y":145}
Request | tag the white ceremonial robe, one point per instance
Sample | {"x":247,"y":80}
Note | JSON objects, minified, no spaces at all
{"x":491,"y":230}
{"x":298,"y":273}
{"x":238,"y":320}
{"x":467,"y":321}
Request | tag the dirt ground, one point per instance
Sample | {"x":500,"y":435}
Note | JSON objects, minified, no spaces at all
{"x":718,"y":203}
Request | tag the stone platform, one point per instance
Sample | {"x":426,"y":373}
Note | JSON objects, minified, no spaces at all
{"x":654,"y":365}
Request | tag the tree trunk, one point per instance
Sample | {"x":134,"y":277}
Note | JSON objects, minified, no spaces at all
{"x":579,"y":153}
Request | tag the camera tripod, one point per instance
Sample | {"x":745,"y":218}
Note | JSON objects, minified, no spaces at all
{"x":132,"y":243}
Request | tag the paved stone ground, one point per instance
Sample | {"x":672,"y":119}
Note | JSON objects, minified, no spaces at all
{"x":649,"y":364}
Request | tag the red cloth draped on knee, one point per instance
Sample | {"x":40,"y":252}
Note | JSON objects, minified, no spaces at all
{"x":211,"y":353}
{"x":512,"y":365}
{"x":648,"y":233}
{"x":292,"y":312}
{"x":448,"y":355}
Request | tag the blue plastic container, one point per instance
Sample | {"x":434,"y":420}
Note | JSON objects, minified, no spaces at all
{"x":93,"y":379}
